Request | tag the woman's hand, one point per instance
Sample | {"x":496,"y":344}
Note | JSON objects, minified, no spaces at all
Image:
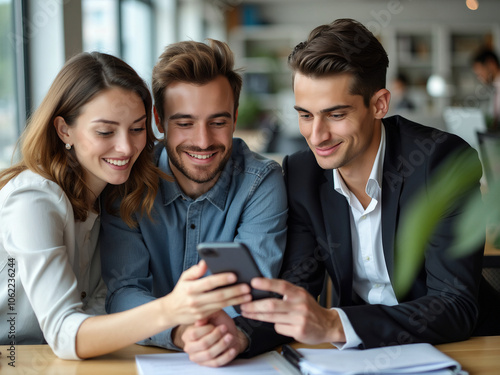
{"x":194,"y":298}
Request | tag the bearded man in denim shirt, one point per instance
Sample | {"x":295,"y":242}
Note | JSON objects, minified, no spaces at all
{"x":222,"y":192}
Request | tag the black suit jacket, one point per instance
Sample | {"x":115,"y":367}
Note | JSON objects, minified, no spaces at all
{"x":441,"y":305}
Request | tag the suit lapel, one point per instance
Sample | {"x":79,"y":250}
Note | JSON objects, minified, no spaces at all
{"x":338,"y":235}
{"x":392,"y":184}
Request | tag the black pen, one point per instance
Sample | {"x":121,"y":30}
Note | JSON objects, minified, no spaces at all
{"x":292,"y":356}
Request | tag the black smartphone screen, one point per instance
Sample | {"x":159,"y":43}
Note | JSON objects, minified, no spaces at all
{"x":236,"y":258}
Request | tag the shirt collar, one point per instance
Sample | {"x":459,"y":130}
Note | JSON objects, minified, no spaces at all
{"x":217,"y":195}
{"x":374,"y":183}
{"x":375,"y":180}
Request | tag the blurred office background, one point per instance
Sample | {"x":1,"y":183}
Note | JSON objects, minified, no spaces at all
{"x":430,"y":45}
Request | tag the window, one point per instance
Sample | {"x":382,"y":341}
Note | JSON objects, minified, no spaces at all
{"x":100,"y":26}
{"x":122,"y":28}
{"x":9,"y":118}
{"x":138,"y":36}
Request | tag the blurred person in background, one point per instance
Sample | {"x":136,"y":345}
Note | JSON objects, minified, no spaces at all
{"x":486,"y":66}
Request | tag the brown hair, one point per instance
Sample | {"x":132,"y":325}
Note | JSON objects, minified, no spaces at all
{"x":79,"y":81}
{"x":343,"y":46}
{"x":194,"y":62}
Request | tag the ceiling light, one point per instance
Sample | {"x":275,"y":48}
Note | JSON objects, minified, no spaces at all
{"x":472,"y":4}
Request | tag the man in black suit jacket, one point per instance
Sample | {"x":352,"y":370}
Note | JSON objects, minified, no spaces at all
{"x":347,"y":196}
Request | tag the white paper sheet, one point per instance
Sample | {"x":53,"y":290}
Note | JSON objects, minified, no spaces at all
{"x":270,"y":363}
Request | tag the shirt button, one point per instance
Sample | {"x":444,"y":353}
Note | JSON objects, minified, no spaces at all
{"x":193,"y":226}
{"x":84,"y":294}
{"x":367,"y":258}
{"x":363,"y":217}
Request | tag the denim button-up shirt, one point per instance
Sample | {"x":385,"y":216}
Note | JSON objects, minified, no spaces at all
{"x":248,"y":204}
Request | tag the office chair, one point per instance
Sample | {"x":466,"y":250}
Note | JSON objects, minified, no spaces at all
{"x":489,"y":295}
{"x":489,"y":147}
{"x":489,"y":151}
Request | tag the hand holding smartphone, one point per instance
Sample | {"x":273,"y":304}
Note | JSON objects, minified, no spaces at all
{"x":236,"y":258}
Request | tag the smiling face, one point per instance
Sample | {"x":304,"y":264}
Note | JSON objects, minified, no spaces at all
{"x":199,"y":125}
{"x":341,"y":131}
{"x":107,"y":137}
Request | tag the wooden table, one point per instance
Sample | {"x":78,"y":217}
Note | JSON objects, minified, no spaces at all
{"x":478,"y":355}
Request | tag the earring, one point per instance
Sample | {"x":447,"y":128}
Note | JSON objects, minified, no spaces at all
{"x":68,"y":146}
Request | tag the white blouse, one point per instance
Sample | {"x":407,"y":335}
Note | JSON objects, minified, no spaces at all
{"x":50,"y":268}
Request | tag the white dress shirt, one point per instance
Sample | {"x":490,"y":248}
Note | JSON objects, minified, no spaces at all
{"x":50,"y":274}
{"x":371,"y":278}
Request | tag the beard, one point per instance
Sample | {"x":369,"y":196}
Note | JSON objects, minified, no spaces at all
{"x":198,"y":174}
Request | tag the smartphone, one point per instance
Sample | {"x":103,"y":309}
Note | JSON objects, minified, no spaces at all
{"x":236,"y":258}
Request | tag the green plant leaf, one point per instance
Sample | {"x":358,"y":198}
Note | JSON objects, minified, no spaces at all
{"x":453,"y":182}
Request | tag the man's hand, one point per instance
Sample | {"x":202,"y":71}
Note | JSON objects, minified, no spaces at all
{"x":297,"y":315}
{"x":214,"y":341}
{"x":177,"y":333}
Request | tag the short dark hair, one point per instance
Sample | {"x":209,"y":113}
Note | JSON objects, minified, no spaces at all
{"x":484,"y":55}
{"x":197,"y":63}
{"x":343,"y":46}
